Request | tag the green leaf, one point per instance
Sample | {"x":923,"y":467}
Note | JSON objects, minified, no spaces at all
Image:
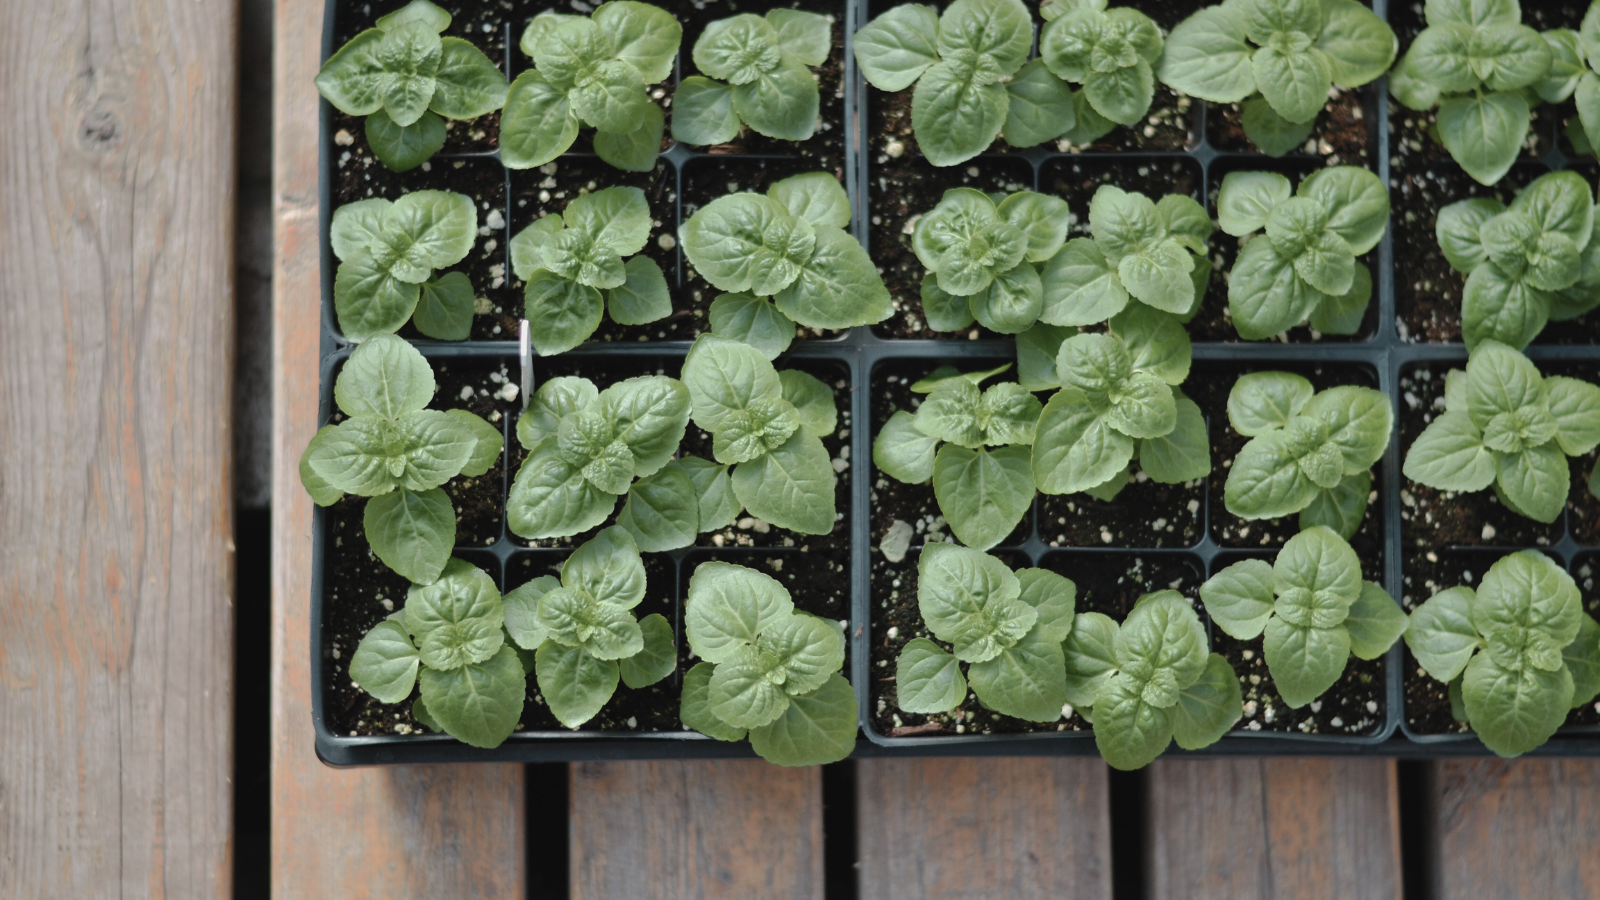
{"x":1182,"y":454}
{"x":1011,"y":302}
{"x":1358,"y":44}
{"x":353,"y":457}
{"x":1272,"y":133}
{"x":1582,"y":659}
{"x":702,"y":112}
{"x":1156,"y":342}
{"x":645,"y":36}
{"x":1262,"y":401}
{"x":728,"y":606}
{"x":651,"y":413}
{"x":1296,"y":84}
{"x":662,"y":511}
{"x":972,"y":600}
{"x":1450,"y":455}
{"x":742,"y":695}
{"x":902,"y":451}
{"x":403,"y":148}
{"x":1207,"y":56}
{"x":411,"y":532}
{"x":1528,"y":590}
{"x":1304,"y":660}
{"x":956,"y":116}
{"x":1090,"y":657}
{"x":1576,"y":407}
{"x":754,"y":321}
{"x":944,"y":311}
{"x":574,"y":618}
{"x":1122,"y":95}
{"x":385,"y":663}
{"x":644,"y":297}
{"x":489,"y":443}
{"x":1025,"y":680}
{"x":1239,"y":598}
{"x":1246,"y":199}
{"x":805,"y":35}
{"x":1587,"y":99}
{"x":1500,"y":380}
{"x":1265,"y":293}
{"x":812,"y":399}
{"x":726,"y":240}
{"x":555,"y":399}
{"x":1320,"y":562}
{"x":1457,"y":231}
{"x":1081,"y":287}
{"x":1037,"y":348}
{"x":467,"y":84}
{"x":368,"y":300}
{"x":1209,"y":707}
{"x":894,"y":49}
{"x":838,"y":287}
{"x":658,"y":658}
{"x":1074,"y":447}
{"x":816,"y":197}
{"x":817,"y":728}
{"x":1484,"y":133}
{"x":608,"y":567}
{"x":782,"y":103}
{"x":1001,"y":30}
{"x":1162,"y":634}
{"x":409,"y":55}
{"x":478,"y":704}
{"x":636,"y":150}
{"x":356,"y":225}
{"x":1039,"y":107}
{"x":522,"y":612}
{"x":1514,"y":711}
{"x":1441,"y":635}
{"x":1355,"y":200}
{"x":352,"y":78}
{"x":1534,"y":480}
{"x":435,"y":448}
{"x":1375,"y":622}
{"x":446,"y":308}
{"x":791,"y":487}
{"x":1497,"y":307}
{"x":983,"y":493}
{"x":574,"y":684}
{"x":1128,"y":730}
{"x":456,"y":645}
{"x":1144,"y":407}
{"x":611,"y":97}
{"x":1054,"y":597}
{"x":1359,"y":420}
{"x":927,"y":679}
{"x":325,"y":494}
{"x":806,"y":648}
{"x":563,"y":313}
{"x":695,"y":705}
{"x":1559,"y":202}
{"x":538,"y":123}
{"x":1266,"y":480}
{"x":1042,"y":219}
{"x":423,"y":11}
{"x":737,"y":49}
{"x":616,"y":218}
{"x":725,"y":377}
{"x":384,"y":377}
{"x":463,"y":593}
{"x":1341,"y":507}
{"x":1343,"y":314}
{"x":551,"y":498}
{"x":429,"y":230}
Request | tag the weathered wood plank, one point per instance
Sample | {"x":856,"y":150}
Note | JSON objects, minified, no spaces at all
{"x":1276,"y":828}
{"x":714,"y":830}
{"x":430,"y":832}
{"x":1002,"y":829}
{"x":116,"y":314}
{"x":1518,"y":828}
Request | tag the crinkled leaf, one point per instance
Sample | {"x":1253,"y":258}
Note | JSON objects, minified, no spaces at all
{"x":1304,"y":660}
{"x":838,"y":287}
{"x":999,"y":29}
{"x":573,"y":683}
{"x":983,"y":493}
{"x":412,"y":532}
{"x":478,"y":704}
{"x":352,"y":78}
{"x":1375,"y":622}
{"x":658,"y":658}
{"x":551,"y":498}
{"x":1514,"y":711}
{"x":662,"y":511}
{"x":782,"y":103}
{"x":742,"y":695}
{"x":972,"y":600}
{"x":807,"y":648}
{"x":1239,"y":598}
{"x":927,"y":679}
{"x":728,"y":606}
{"x":792,"y":486}
{"x":1025,"y":680}
{"x":1484,"y":133}
{"x":725,"y":377}
{"x":538,"y":123}
{"x":1359,"y":420}
{"x":898,"y":46}
{"x":385,"y":663}
{"x":1209,"y":707}
{"x":694,"y":709}
{"x":902,"y":451}
{"x":815,"y":729}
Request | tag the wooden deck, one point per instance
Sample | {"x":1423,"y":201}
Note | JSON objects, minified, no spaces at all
{"x":116,"y":623}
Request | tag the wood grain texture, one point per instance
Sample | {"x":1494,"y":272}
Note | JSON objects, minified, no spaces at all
{"x":997,"y":828}
{"x":1275,"y":829}
{"x":1518,"y":828}
{"x":424,"y":832}
{"x":116,"y":330}
{"x":712,"y":830}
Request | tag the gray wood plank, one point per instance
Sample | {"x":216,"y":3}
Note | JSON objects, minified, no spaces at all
{"x":1518,"y":828}
{"x":996,"y":828}
{"x":711,"y":830}
{"x":1276,"y":829}
{"x":116,"y":292}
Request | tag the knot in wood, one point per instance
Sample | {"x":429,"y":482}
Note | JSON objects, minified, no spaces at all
{"x":99,"y":130}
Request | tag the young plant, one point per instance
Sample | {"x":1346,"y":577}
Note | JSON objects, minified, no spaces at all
{"x":1309,"y":453}
{"x":591,"y":71}
{"x":407,"y":80}
{"x":1518,"y":653}
{"x":574,"y":269}
{"x":1506,"y":425}
{"x":960,"y":63}
{"x":1526,"y":264}
{"x":1150,"y":681}
{"x":1008,"y":627}
{"x":1313,"y":607}
{"x":982,"y":258}
{"x":1118,"y":400}
{"x":392,"y":449}
{"x":450,"y":639}
{"x":582,"y":630}
{"x":1110,"y":52}
{"x":1305,"y":267}
{"x":1280,"y":57}
{"x":764,"y":83}
{"x":586,"y":447}
{"x":790,"y":246}
{"x":769,"y":671}
{"x":982,"y":492}
{"x":1152,"y":252}
{"x":769,"y":426}
{"x":388,"y":251}
{"x":1573,"y":55}
{"x":1479,"y":65}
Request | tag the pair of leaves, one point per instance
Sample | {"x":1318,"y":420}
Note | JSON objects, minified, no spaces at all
{"x":769,"y":671}
{"x":1110,"y":52}
{"x":1152,"y":252}
{"x":394,"y":450}
{"x":1520,"y":650}
{"x":407,"y":80}
{"x":1526,"y":263}
{"x":982,"y":257}
{"x":1322,"y":613}
{"x":758,"y":76}
{"x":591,"y":70}
{"x":1480,"y":65}
{"x":1149,"y":681}
{"x":1306,"y":451}
{"x":770,"y":427}
{"x":575,"y":270}
{"x":388,"y":251}
{"x":790,"y":245}
{"x":1506,"y":425}
{"x":1305,"y":266}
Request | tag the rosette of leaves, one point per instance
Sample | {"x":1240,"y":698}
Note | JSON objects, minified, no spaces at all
{"x":1280,"y":58}
{"x":388,"y":251}
{"x":1111,"y":52}
{"x":961,"y":62}
{"x":449,"y":639}
{"x":1518,"y":653}
{"x":1313,"y":608}
{"x":407,"y":79}
{"x":392,"y":449}
{"x":974,"y":445}
{"x":1305,"y":266}
{"x":758,"y":76}
{"x":1007,"y":627}
{"x":788,"y":248}
{"x":769,"y":427}
{"x":1573,"y":55}
{"x":591,"y":71}
{"x":586,"y":447}
{"x":1309,"y":452}
{"x":1481,"y":67}
{"x":770,"y":671}
{"x":1152,"y":252}
{"x":1118,"y":402}
{"x":983,"y":258}
{"x":1506,"y":425}
{"x":575,"y":269}
{"x":582,"y":630}
{"x":1149,"y":681}
{"x":1525,"y":264}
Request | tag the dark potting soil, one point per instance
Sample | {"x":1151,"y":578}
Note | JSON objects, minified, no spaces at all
{"x":475,"y":385}
{"x":1342,"y":135}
